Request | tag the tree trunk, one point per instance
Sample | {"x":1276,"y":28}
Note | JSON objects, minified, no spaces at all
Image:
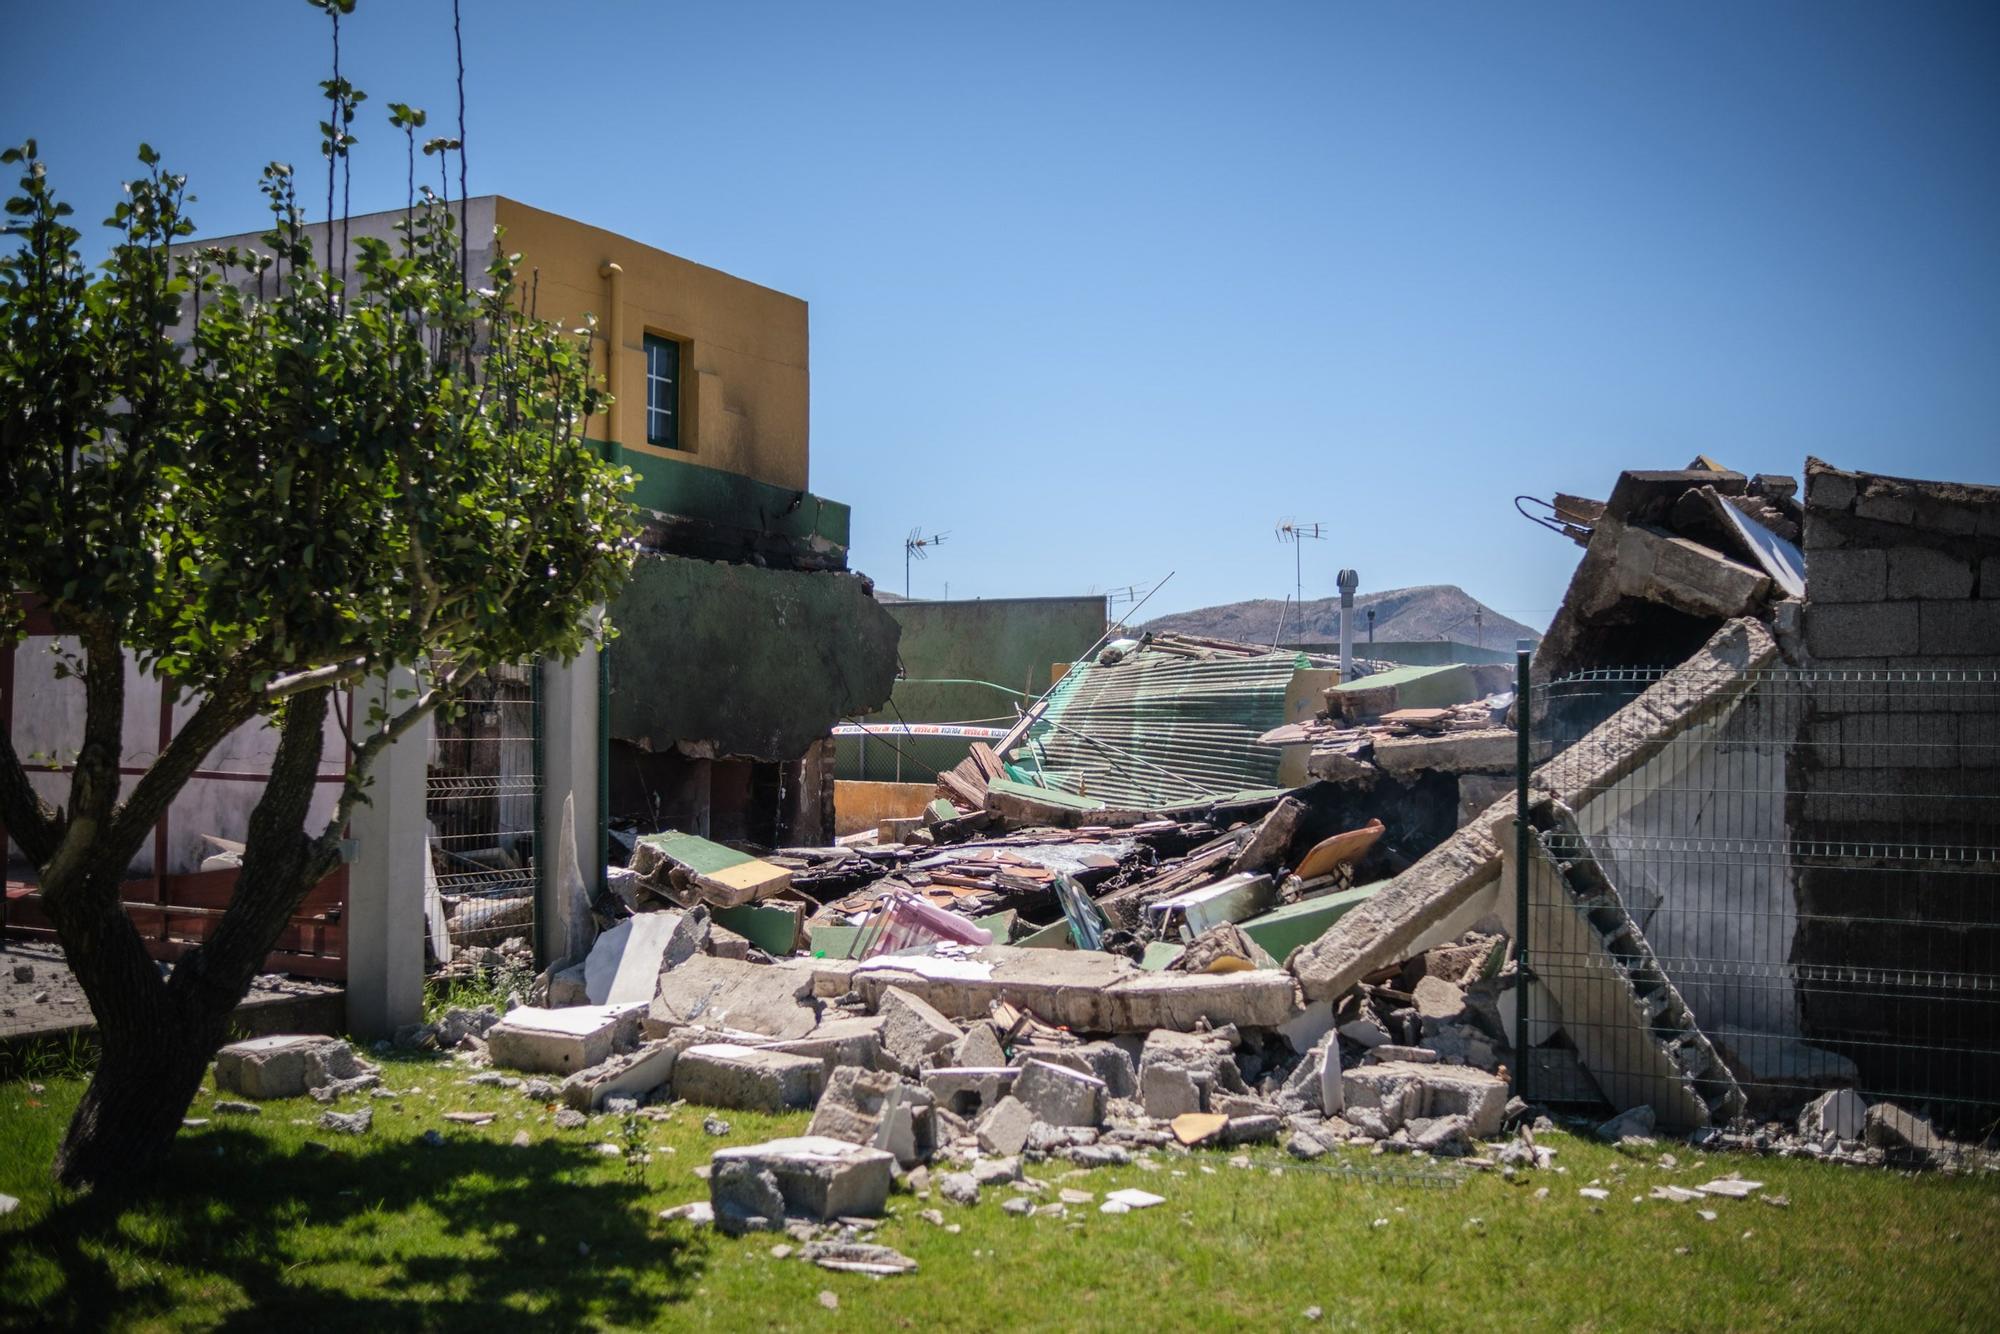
{"x":137,"y":1099}
{"x":158,"y":1038}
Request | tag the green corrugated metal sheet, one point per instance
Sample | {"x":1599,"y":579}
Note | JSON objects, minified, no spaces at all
{"x":1159,"y":729}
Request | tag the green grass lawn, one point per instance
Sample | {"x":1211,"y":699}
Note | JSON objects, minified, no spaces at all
{"x":273,"y":1224}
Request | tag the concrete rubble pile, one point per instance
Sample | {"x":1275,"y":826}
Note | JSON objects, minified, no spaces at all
{"x":1026,"y":973}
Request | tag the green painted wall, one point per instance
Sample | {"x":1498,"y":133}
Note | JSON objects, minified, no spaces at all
{"x":756,"y":663}
{"x":1008,"y":641}
{"x":672,"y":486}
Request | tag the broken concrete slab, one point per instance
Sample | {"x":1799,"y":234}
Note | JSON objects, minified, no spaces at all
{"x":1082,"y":990}
{"x":1842,"y":1114}
{"x":556,"y":1041}
{"x":1488,"y":750}
{"x":1059,"y":1096}
{"x":286,"y":1065}
{"x":625,"y":963}
{"x":914,"y":1034}
{"x":1168,"y":1091}
{"x":633,"y":1075}
{"x":727,"y":1074}
{"x":744,"y":1197}
{"x":773,"y":999}
{"x":980,"y":1046}
{"x":1391,"y":925}
{"x":849,"y":1040}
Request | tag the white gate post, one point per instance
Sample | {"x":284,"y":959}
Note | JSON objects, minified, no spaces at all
{"x":570,"y":757}
{"x":385,"y":882}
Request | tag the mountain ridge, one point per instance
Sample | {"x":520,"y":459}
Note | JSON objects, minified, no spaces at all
{"x":1423,"y":612}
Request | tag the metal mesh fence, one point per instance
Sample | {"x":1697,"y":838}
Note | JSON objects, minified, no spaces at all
{"x":896,"y":758}
{"x":482,"y":797}
{"x":1799,"y":894}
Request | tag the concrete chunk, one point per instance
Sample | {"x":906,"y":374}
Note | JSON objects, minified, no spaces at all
{"x":1060,"y":1096}
{"x":875,"y":1108}
{"x":632,"y":1075}
{"x":555,"y":1041}
{"x":1399,"y":1092}
{"x":286,"y":1065}
{"x":624,"y":965}
{"x":913,"y":1032}
{"x":855,"y":1040}
{"x":969,"y":1090}
{"x":1004,"y":1129}
{"x":726,"y":1074}
{"x":979,"y":1047}
{"x":818,"y":1178}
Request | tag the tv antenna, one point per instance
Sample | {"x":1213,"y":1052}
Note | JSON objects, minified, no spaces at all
{"x":917,"y":547}
{"x":1129,"y":593}
{"x":1298,"y":534}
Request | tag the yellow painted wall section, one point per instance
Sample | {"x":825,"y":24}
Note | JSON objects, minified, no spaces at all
{"x":858,"y":806}
{"x":745,"y":388}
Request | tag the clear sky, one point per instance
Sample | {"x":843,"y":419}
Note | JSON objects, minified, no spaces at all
{"x":1106,"y":290}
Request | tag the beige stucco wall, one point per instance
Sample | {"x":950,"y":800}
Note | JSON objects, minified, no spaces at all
{"x":745,"y":387}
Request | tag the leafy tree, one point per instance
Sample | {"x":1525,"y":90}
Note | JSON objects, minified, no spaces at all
{"x":266,"y":474}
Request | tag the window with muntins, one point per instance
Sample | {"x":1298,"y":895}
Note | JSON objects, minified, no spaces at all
{"x":663,"y":392}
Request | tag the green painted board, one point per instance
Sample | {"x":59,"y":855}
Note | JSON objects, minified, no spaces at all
{"x":695,"y":853}
{"x":1054,"y":936}
{"x":1284,"y":929}
{"x":1001,"y":924}
{"x":1159,"y":954}
{"x":772,"y":927}
{"x":1421,"y":687}
{"x":834,"y":942}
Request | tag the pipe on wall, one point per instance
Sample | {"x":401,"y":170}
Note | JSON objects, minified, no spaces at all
{"x":614,"y":334}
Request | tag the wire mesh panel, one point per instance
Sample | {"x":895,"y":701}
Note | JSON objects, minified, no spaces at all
{"x":1798,"y":894}
{"x":482,"y":797}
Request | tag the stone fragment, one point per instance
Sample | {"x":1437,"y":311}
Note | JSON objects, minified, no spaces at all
{"x":1445,"y":1137}
{"x":725,"y":1074}
{"x":625,"y":963}
{"x":568,"y":1118}
{"x":1133,"y":1198}
{"x":1261,"y":1129}
{"x":914,"y":1034}
{"x":700,"y":1213}
{"x":1019,"y":1207}
{"x":857,"y":1257}
{"x":876,"y":1108}
{"x":1114,"y":1065}
{"x":225,"y":1107}
{"x":1637,"y":1123}
{"x":286,"y":1065}
{"x":993,"y":1171}
{"x":979,"y":1047}
{"x":959,"y":1188}
{"x":1841,"y":1113}
{"x":1887,"y":1126}
{"x":1060,"y":1096}
{"x":348,"y":1123}
{"x":1168,"y":1090}
{"x":1438,"y":1000}
{"x":1004,"y":1129}
{"x":848,"y":1040}
{"x":818,"y":1178}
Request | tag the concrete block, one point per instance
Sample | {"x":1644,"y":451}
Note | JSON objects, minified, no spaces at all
{"x":1400,"y":1091}
{"x":1926,"y":573}
{"x":1059,"y":1096}
{"x":1861,"y":630}
{"x":1959,"y":629}
{"x":1003,"y":1130}
{"x":774,"y":999}
{"x":1859,"y":574}
{"x":968,"y":1091}
{"x":633,"y":1075}
{"x":1313,"y":1023}
{"x":726,"y":1074}
{"x":914,"y":1034}
{"x":816,"y":1178}
{"x":555,"y":1041}
{"x":286,"y":1065}
{"x":1113,"y":1065}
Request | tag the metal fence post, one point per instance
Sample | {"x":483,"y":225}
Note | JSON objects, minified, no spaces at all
{"x":1524,"y":715}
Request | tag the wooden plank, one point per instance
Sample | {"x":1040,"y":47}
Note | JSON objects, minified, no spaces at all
{"x":986,"y":761}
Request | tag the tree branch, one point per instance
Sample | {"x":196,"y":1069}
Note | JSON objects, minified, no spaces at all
{"x":220,"y":714}
{"x":333,"y":673}
{"x":30,"y":820}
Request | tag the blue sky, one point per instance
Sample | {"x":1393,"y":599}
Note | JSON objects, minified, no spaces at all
{"x":1105,"y":290}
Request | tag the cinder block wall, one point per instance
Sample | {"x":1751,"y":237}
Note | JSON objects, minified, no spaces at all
{"x":1895,"y":781}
